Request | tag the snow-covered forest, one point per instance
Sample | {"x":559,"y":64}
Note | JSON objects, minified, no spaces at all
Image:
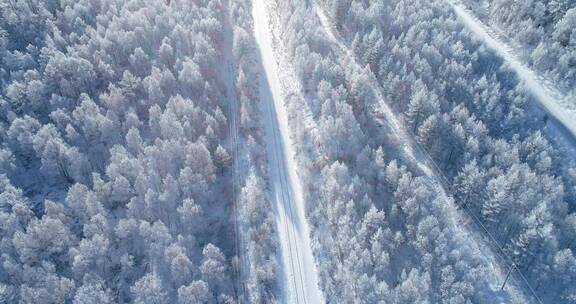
{"x":116,"y":154}
{"x":286,"y":151}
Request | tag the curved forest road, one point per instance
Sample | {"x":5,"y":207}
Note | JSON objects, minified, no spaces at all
{"x":298,"y":267}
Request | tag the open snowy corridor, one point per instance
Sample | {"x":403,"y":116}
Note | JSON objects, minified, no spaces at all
{"x":299,"y":271}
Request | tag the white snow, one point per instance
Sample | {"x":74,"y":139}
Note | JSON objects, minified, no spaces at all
{"x":299,"y":269}
{"x":552,"y":100}
{"x":414,"y":153}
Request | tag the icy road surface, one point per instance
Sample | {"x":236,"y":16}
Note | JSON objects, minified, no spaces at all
{"x":299,"y":271}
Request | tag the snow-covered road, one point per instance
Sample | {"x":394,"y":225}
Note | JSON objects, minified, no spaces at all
{"x":552,"y":100}
{"x":299,"y":269}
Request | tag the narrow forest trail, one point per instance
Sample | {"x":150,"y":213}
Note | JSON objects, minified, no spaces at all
{"x":299,"y":269}
{"x":561,"y":107}
{"x":457,"y":221}
{"x":229,"y":75}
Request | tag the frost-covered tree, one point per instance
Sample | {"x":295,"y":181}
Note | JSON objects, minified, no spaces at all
{"x":196,"y":292}
{"x":92,"y":293}
{"x":149,"y":290}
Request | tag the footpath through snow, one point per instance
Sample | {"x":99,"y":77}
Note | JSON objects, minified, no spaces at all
{"x":561,"y":107}
{"x":299,"y":269}
{"x":413,"y":152}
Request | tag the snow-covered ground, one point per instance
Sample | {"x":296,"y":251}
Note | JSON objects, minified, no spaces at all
{"x":299,"y":269}
{"x":414,"y":153}
{"x":561,"y":107}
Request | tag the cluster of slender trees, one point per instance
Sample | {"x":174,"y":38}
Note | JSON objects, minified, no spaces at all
{"x":255,"y":209}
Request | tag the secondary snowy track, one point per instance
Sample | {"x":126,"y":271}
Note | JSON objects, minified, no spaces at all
{"x":241,"y":272}
{"x":551,"y":100}
{"x":299,"y":269}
